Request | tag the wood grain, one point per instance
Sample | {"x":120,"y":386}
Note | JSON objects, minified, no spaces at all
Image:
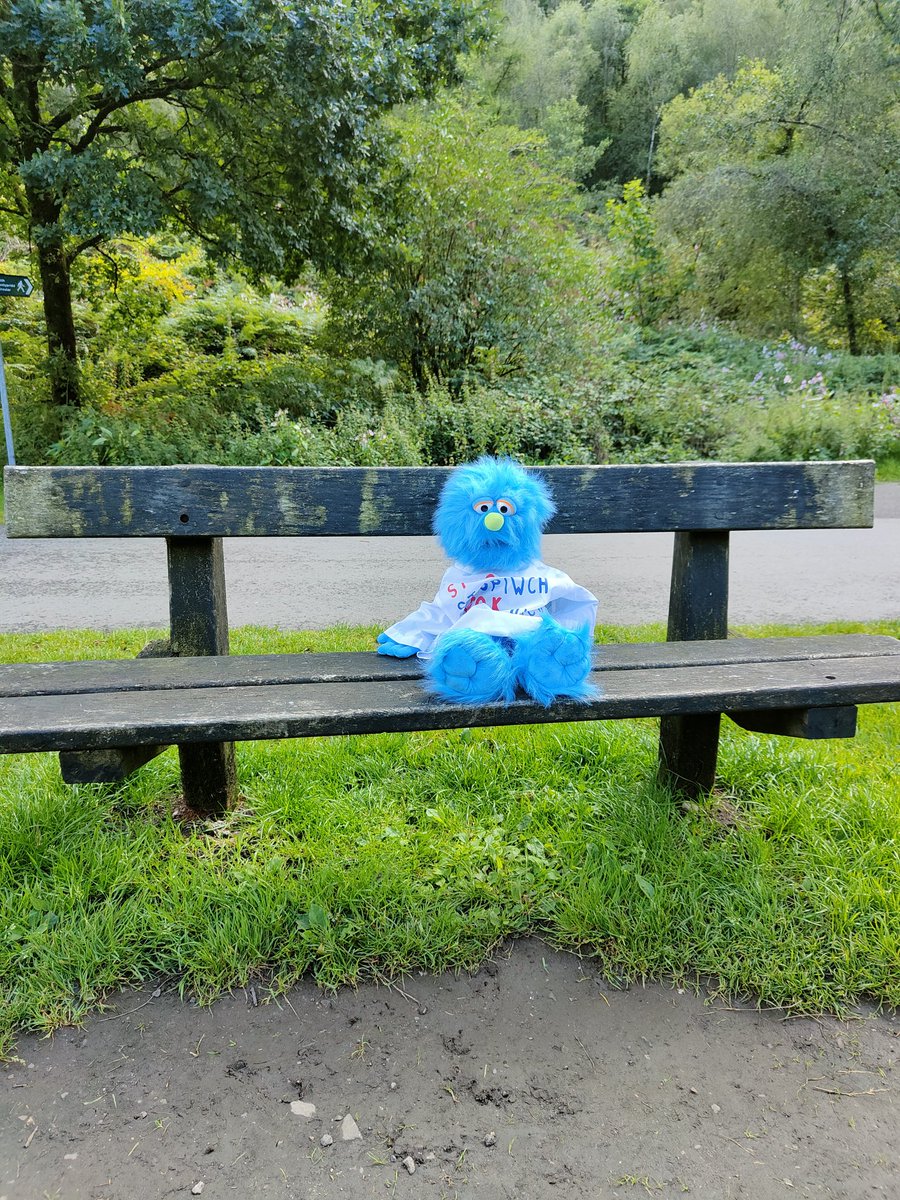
{"x":199,"y":715}
{"x":113,"y":675}
{"x":206,"y":501}
{"x":198,"y":621}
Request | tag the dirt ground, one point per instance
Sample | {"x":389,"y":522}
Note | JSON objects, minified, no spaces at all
{"x":531,"y":1078}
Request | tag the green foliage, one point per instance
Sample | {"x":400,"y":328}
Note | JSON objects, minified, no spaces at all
{"x":241,"y":321}
{"x":636,"y":270}
{"x":769,"y":126}
{"x":545,"y":421}
{"x":369,"y":856}
{"x":484,"y":274}
{"x":154,"y":109}
{"x":253,"y":124}
{"x":154,"y":395}
{"x":536,"y":72}
{"x":794,"y":164}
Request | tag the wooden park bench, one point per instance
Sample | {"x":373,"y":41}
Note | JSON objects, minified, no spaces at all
{"x":108,"y":718}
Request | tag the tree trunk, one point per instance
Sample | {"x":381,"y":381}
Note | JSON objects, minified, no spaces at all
{"x":61,"y":340}
{"x":44,"y":210}
{"x":849,"y":311}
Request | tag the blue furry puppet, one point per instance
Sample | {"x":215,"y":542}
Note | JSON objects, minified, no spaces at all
{"x":501,"y":617}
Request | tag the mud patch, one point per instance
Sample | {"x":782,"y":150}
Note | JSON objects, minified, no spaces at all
{"x":529,"y":1079}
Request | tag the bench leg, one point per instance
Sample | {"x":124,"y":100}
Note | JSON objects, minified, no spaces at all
{"x":208,"y":777}
{"x":698,"y":610}
{"x":688,"y":749}
{"x":199,"y":623}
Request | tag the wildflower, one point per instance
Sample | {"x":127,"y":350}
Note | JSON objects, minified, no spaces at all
{"x":788,"y":379}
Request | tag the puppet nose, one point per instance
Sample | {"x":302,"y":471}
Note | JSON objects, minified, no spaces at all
{"x":494,"y":521}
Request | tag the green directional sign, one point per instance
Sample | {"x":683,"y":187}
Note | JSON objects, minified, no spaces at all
{"x":15,"y":285}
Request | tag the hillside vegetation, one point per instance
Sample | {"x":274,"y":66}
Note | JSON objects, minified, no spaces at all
{"x":599,"y":232}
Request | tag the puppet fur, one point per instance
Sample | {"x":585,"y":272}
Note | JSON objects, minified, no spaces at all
{"x":489,"y":519}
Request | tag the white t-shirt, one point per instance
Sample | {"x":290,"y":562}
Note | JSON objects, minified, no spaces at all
{"x":501,"y":605}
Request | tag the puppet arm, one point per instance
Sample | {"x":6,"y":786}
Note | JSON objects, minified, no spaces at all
{"x":417,"y":633}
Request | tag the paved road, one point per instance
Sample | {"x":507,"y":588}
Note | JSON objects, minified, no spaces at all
{"x":791,"y":576}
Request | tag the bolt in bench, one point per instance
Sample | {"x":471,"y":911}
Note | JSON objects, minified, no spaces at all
{"x":108,"y":718}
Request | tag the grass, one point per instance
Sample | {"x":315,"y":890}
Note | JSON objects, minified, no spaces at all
{"x":353,"y":858}
{"x":888,"y":469}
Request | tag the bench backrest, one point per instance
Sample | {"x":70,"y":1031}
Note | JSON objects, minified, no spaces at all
{"x":195,"y":507}
{"x":204,"y":502}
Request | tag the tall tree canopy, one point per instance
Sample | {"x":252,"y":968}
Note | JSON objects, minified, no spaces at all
{"x":484,"y":271}
{"x":794,"y":167}
{"x":249,"y":122}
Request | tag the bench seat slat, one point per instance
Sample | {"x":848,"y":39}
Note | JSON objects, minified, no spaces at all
{"x":114,"y":675}
{"x":290,"y":710}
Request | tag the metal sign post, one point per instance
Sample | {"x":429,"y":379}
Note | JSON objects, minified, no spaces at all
{"x":10,"y":285}
{"x":4,"y":401}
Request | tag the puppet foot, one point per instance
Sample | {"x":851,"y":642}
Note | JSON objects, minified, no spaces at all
{"x":554,"y":662}
{"x":471,"y":668}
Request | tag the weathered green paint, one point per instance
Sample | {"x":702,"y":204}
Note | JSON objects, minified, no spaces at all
{"x":208,"y":715}
{"x":369,"y":514}
{"x":203,"y":501}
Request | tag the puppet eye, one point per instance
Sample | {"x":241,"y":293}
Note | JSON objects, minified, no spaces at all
{"x":482,"y":506}
{"x":506,"y":507}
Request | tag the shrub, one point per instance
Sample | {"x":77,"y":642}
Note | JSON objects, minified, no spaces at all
{"x":536,"y":422}
{"x":254,"y":325}
{"x":813,"y":425}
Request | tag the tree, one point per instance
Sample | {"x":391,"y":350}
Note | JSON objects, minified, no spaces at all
{"x":795,"y":165}
{"x":485,"y":271}
{"x":672,"y":48}
{"x":249,"y":122}
{"x":637,"y":271}
{"x":534,"y":72}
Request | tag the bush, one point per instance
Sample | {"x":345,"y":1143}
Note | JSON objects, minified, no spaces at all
{"x":239,"y":377}
{"x":253,"y":325}
{"x":483,"y":272}
{"x":537,"y":423}
{"x":813,"y":426}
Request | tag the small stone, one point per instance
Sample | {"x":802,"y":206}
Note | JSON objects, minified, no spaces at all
{"x":197,"y":1189}
{"x":422,"y":1010}
{"x":393,"y":1085}
{"x":491,"y":1139}
{"x":410,"y":1163}
{"x":715,"y":1108}
{"x":302,"y":1108}
{"x":349,"y":1129}
{"x":326,"y":1140}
